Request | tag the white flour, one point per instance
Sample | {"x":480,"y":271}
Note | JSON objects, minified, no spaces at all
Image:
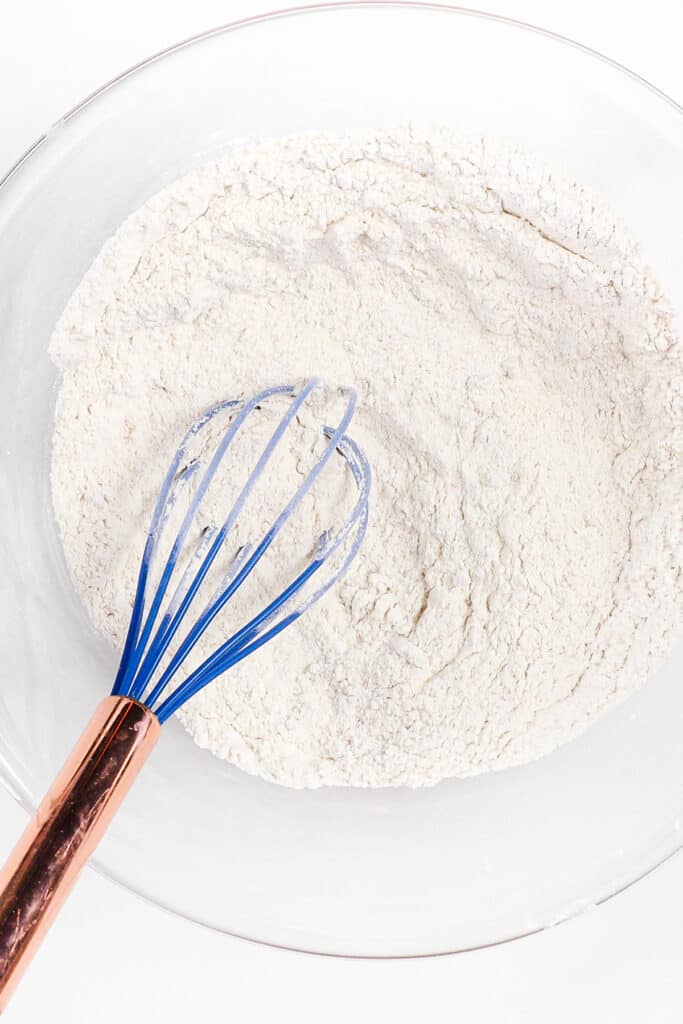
{"x":520,"y":389}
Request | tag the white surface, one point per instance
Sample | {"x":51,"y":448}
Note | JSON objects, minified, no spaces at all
{"x":621,"y":962}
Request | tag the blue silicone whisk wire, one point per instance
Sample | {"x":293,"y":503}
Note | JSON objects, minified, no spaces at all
{"x":159,"y":616}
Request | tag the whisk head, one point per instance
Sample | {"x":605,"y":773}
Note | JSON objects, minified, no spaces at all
{"x":163,"y":629}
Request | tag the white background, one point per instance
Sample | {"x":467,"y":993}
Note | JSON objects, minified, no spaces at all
{"x":110,"y":957}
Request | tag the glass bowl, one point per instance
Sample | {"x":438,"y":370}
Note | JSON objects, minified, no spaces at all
{"x":338,"y":871}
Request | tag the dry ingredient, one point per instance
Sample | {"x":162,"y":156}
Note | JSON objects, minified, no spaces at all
{"x":520,"y":385}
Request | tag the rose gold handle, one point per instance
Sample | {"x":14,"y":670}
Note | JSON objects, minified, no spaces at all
{"x":67,"y":827}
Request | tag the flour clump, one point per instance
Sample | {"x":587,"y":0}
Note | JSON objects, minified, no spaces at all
{"x":520,"y":392}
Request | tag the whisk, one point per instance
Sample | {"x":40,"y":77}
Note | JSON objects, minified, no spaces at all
{"x":153,"y":679}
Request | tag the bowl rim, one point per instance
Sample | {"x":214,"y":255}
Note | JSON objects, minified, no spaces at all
{"x":8,"y":779}
{"x":333,"y":5}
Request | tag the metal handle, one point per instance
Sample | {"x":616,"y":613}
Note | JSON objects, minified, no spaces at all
{"x":67,"y":827}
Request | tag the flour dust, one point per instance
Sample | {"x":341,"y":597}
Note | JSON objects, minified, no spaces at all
{"x":520,"y":402}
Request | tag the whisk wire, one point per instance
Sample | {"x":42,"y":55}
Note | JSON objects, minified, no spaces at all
{"x":165,"y":635}
{"x":146,"y":642}
{"x":335,"y":436}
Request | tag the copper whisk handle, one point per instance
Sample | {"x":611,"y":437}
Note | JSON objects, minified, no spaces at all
{"x":69,"y":823}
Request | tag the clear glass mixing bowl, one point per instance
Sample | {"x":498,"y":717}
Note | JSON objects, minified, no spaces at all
{"x":374,"y":873}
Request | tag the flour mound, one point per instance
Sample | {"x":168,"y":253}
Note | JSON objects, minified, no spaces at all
{"x":520,"y":402}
